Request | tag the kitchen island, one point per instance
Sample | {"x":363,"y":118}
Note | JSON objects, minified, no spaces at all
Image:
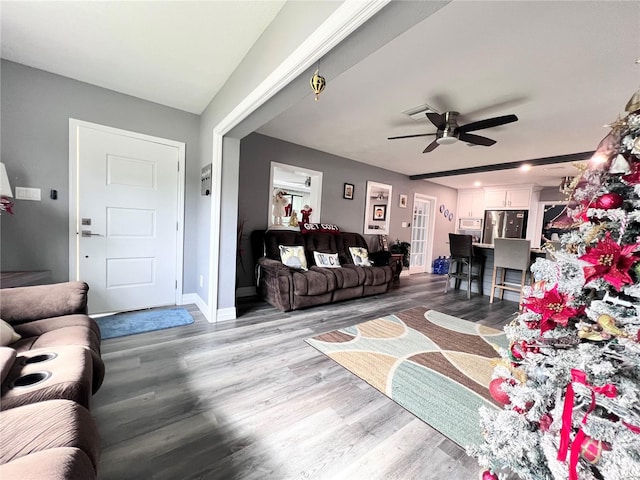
{"x":513,"y":276}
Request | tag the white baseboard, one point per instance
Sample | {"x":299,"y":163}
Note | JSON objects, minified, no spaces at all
{"x":246,"y":292}
{"x":188,"y":298}
{"x":224,"y":314}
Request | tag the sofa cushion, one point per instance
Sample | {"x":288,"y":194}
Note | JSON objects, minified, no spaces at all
{"x":7,"y":334}
{"x":24,"y":304}
{"x":39,"y":327}
{"x":360,"y":256}
{"x":348,"y":277}
{"x":313,"y":282}
{"x":293,"y":256}
{"x":320,"y":242}
{"x":374,"y":275}
{"x":326,"y":260}
{"x":274,"y":238}
{"x":51,"y":424}
{"x":346,"y":240}
{"x":64,"y":463}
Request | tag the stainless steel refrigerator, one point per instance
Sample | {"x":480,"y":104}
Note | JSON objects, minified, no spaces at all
{"x":504,"y":224}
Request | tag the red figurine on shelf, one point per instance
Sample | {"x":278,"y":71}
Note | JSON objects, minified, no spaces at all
{"x":306,"y":213}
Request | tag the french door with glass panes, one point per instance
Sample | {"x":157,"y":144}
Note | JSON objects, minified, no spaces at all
{"x":421,"y":228}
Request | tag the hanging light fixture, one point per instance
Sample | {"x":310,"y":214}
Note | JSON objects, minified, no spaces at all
{"x":317,"y":83}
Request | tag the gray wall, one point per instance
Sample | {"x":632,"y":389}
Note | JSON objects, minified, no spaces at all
{"x":35,"y":112}
{"x":258,"y":151}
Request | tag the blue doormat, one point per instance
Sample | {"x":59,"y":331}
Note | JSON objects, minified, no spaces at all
{"x":130,"y":323}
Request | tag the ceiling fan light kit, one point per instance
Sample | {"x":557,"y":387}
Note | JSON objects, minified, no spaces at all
{"x":445,"y":140}
{"x":450,"y":132}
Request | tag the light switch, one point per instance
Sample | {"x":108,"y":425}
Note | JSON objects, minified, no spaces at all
{"x":24,"y":193}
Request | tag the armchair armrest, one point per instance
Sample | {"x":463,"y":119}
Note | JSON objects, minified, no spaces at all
{"x":274,"y":266}
{"x":24,"y":304}
{"x":7,"y":359}
{"x":275,"y":282}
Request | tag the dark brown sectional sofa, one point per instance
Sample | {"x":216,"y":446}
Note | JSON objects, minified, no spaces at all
{"x":288,"y":288}
{"x":48,"y":375}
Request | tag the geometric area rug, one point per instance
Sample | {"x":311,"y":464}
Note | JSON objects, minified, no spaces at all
{"x":130,"y":323}
{"x":436,"y":366}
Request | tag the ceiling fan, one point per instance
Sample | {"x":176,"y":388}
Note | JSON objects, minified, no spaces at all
{"x":450,"y":132}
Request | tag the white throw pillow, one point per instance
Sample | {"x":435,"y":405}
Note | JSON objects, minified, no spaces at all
{"x":326,"y":260}
{"x":360,"y":256}
{"x":7,"y":334}
{"x":293,"y":256}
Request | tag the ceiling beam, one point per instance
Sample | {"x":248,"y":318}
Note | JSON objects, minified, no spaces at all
{"x":571,"y":157}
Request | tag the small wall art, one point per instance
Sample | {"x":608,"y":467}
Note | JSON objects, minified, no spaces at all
{"x":348,"y":191}
{"x":379,"y":212}
{"x":403,"y":201}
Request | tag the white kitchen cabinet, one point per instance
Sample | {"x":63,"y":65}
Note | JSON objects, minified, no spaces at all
{"x":471,"y":203}
{"x":512,"y":198}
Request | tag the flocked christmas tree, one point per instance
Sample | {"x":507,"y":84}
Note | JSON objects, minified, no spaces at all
{"x":570,"y":382}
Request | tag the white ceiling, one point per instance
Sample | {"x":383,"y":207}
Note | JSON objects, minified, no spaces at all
{"x":565,"y":68}
{"x":176,"y":53}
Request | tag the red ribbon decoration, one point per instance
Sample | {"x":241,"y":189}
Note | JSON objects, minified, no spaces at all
{"x":608,"y":390}
{"x":633,"y":428}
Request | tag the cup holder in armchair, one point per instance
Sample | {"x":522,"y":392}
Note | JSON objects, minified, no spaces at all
{"x":30,"y":379}
{"x":42,"y":357}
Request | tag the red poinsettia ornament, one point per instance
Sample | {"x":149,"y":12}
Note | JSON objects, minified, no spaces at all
{"x":610,"y":262}
{"x":553,"y":308}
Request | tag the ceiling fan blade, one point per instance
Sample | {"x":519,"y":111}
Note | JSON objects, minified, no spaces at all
{"x":476,"y":139}
{"x":488,"y":123}
{"x":436,"y":119}
{"x":431,"y":147}
{"x":411,"y":136}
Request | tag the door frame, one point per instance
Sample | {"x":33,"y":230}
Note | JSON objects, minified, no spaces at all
{"x":74,"y":187}
{"x":340,"y":24}
{"x":428,"y":251}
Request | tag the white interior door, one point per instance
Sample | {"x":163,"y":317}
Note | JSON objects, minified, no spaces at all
{"x":127,"y":217}
{"x":420,"y":257}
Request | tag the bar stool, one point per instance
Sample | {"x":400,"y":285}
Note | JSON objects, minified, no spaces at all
{"x":510,"y":254}
{"x":463,"y":255}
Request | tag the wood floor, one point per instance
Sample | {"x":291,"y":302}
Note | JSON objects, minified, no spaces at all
{"x":249,"y":399}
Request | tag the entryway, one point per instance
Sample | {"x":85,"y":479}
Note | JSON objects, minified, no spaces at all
{"x":126,"y":217}
{"x":422,"y":233}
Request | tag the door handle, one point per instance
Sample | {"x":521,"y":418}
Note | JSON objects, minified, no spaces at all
{"x":87,"y":233}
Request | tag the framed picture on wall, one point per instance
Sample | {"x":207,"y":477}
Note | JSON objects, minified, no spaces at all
{"x":380,"y":212}
{"x":403,"y":201}
{"x":348,"y":191}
